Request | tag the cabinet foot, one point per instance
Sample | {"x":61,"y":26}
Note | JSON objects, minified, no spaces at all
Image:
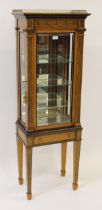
{"x":29,"y":196}
{"x":63,"y":172}
{"x":20,"y":180}
{"x":75,"y":186}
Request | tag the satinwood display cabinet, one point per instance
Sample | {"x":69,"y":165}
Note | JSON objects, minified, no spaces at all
{"x":49,"y":52}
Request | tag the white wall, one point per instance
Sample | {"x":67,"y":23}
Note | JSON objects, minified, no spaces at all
{"x":47,"y":158}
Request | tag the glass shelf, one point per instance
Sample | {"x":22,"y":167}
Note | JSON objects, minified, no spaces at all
{"x":46,"y":117}
{"x":46,"y":59}
{"x":45,"y":80}
{"x":44,"y":102}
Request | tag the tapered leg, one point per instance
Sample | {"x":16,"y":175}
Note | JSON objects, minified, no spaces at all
{"x":63,"y":158}
{"x":29,"y":172}
{"x":76,"y":156}
{"x":20,"y":160}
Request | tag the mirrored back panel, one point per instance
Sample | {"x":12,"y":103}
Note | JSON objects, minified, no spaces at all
{"x":55,"y":54}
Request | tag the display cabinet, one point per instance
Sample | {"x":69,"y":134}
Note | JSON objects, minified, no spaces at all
{"x":49,"y":76}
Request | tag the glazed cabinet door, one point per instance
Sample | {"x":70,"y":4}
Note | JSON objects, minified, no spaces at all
{"x":54,"y":79}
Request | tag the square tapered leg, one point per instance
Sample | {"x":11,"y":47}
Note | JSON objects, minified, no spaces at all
{"x":29,"y":172}
{"x":20,"y":160}
{"x":76,"y":157}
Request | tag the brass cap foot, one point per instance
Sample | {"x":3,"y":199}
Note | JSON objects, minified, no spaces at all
{"x":20,"y":180}
{"x":75,"y":186}
{"x":29,"y":196}
{"x":63,"y":173}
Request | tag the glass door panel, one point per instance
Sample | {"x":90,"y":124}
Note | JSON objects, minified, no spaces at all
{"x":54,"y":78}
